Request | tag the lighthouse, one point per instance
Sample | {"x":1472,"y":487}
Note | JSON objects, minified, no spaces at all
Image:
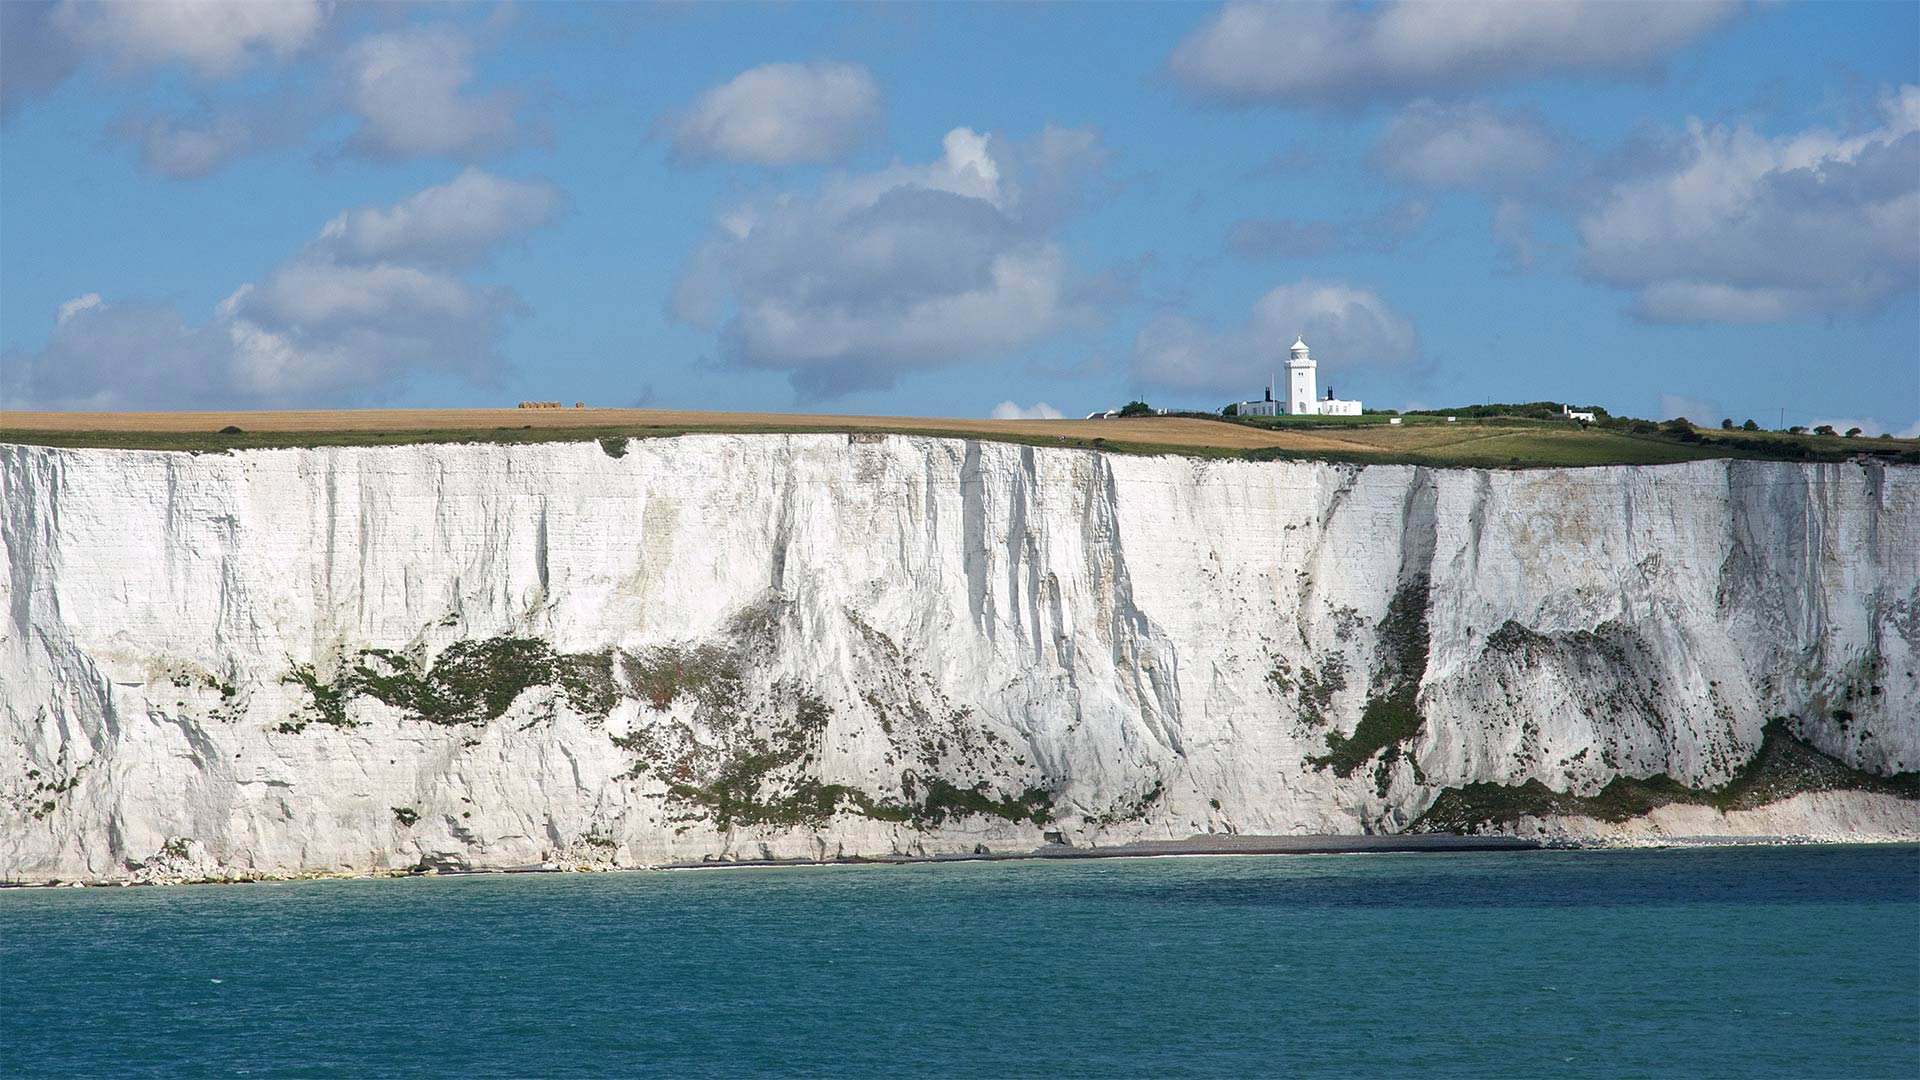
{"x":1300,"y":381}
{"x":1301,"y":397}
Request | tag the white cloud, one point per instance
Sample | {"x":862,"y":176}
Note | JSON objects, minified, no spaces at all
{"x":76,"y":306}
{"x":1469,"y":145}
{"x":1747,"y":228}
{"x":1699,"y":410}
{"x":1345,"y":326}
{"x":781,"y":114}
{"x":908,"y":267}
{"x":458,"y":222}
{"x":1039,"y":410}
{"x":190,"y":149}
{"x":1322,"y":53}
{"x":409,"y":88}
{"x":214,"y":37}
{"x":41,"y":44}
{"x":334,"y":323}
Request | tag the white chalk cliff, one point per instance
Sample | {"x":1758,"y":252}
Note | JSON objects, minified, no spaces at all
{"x":355,"y":660}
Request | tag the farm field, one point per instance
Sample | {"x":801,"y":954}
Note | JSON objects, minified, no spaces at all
{"x":1497,"y":442}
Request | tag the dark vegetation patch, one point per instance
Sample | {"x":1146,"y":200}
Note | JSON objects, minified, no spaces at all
{"x":1622,"y":674}
{"x":326,"y":702}
{"x":737,"y":754}
{"x":1313,"y":690}
{"x":751,"y":770}
{"x":471,"y":682}
{"x":709,"y":674}
{"x":43,"y":799}
{"x":407,"y":816}
{"x":1784,"y":766}
{"x":1392,"y":714}
{"x":1133,"y":809}
{"x":943,"y":800}
{"x":726,"y":750}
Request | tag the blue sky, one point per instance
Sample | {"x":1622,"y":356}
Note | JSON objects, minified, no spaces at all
{"x":1709,"y":208}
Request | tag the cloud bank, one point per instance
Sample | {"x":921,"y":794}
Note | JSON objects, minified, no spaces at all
{"x":41,"y":44}
{"x":906,"y":268}
{"x":1345,"y":54}
{"x":1741,"y":227}
{"x":373,"y":299}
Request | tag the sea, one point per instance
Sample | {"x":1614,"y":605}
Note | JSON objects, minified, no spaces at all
{"x":1686,"y":962}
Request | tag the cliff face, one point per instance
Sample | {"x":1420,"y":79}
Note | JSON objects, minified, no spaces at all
{"x":465,"y":655}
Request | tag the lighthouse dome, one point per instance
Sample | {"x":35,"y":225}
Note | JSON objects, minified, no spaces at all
{"x":1300,"y":348}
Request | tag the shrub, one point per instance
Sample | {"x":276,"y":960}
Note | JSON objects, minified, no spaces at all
{"x":1749,"y":425}
{"x":1136,"y":408}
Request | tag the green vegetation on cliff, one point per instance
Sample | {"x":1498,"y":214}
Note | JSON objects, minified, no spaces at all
{"x":1785,"y":766}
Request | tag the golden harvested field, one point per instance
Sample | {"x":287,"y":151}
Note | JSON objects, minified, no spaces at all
{"x":1170,"y":431}
{"x":1497,"y":443}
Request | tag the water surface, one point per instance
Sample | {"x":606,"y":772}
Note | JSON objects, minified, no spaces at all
{"x":1708,"y":963}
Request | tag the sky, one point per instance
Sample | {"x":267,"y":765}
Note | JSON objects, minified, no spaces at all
{"x":1704,"y":209}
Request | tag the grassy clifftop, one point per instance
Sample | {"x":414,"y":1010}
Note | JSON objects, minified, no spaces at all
{"x":1486,"y":441}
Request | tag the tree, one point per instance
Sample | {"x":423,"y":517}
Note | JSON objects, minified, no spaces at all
{"x":1749,"y":425}
{"x":1680,"y":428}
{"x":1797,"y":430}
{"x":1136,"y":408}
{"x":1231,"y":410}
{"x":1823,"y":429}
{"x":1726,"y":423}
{"x":1852,"y":431}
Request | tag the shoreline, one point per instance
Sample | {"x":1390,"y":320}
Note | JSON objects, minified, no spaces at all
{"x":1205,"y":846}
{"x":1218,"y":844}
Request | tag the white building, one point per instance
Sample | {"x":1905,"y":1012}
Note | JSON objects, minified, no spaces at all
{"x":1302,"y":397}
{"x":1583,"y":417}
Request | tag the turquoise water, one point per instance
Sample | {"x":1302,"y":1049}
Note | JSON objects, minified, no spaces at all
{"x":1707,"y":963}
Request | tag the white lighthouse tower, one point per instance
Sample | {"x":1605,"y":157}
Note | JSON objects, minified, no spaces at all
{"x":1302,"y":396}
{"x":1300,"y":381}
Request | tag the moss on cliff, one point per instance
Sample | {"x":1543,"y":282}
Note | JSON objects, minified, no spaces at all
{"x":1784,"y":766}
{"x":709,"y":674}
{"x":471,"y":682}
{"x":1392,"y":714}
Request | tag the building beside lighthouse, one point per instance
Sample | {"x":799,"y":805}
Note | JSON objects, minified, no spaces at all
{"x":1302,"y":393}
